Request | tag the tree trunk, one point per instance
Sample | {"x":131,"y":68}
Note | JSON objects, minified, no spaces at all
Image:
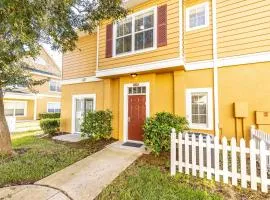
{"x":5,"y":141}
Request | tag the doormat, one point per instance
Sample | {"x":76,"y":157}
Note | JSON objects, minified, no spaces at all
{"x":132,"y":144}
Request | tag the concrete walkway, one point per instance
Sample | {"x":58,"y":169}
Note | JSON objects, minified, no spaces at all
{"x":83,"y":180}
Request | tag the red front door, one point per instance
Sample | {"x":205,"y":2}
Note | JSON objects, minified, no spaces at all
{"x":136,"y":116}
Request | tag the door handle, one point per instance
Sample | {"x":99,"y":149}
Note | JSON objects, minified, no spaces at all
{"x":128,"y":119}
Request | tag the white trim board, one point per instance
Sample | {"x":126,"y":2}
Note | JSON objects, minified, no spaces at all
{"x":230,"y":61}
{"x":80,"y":80}
{"x":125,"y":110}
{"x":141,"y":67}
{"x":46,"y":75}
{"x":74,"y":97}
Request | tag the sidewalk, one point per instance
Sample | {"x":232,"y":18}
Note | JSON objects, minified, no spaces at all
{"x":83,"y":180}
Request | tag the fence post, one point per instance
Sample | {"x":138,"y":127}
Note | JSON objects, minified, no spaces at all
{"x":225,"y":160}
{"x":173,"y":152}
{"x":216,"y":143}
{"x":234,"y":162}
{"x":193,"y":146}
{"x":186,"y":154}
{"x":243,"y":163}
{"x":253,"y":170}
{"x":208,"y":157}
{"x":201,"y":163}
{"x":264,"y":187}
{"x":252,"y":131}
{"x":180,"y":153}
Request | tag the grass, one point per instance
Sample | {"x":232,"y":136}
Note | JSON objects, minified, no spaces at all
{"x":148,"y":178}
{"x":37,"y":158}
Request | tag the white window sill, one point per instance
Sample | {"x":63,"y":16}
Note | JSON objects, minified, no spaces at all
{"x":200,"y":127}
{"x":197,"y":28}
{"x":135,"y":52}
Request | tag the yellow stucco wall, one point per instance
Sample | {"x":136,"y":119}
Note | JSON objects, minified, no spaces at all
{"x":245,"y":83}
{"x":42,"y":103}
{"x":78,"y":89}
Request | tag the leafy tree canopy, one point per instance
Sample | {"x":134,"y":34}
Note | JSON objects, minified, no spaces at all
{"x":25,"y":24}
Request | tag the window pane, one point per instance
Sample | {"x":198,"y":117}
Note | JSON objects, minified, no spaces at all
{"x":202,"y":119}
{"x":119,"y":45}
{"x":127,"y":44}
{"x":149,"y":39}
{"x":127,"y":28}
{"x":19,"y":112}
{"x":139,"y":41}
{"x":197,"y":17}
{"x":139,"y":23}
{"x":8,"y":112}
{"x":194,"y":108}
{"x":202,"y":109}
{"x":119,"y":29}
{"x":149,"y":21}
{"x":195,"y":119}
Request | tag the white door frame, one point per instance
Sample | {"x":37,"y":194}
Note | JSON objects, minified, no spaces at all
{"x":80,"y":96}
{"x":125,"y":124}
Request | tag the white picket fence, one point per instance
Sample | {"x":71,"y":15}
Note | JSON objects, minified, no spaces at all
{"x":227,"y":163}
{"x":258,"y":136}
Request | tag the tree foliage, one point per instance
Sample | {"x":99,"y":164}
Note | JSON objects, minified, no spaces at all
{"x":25,"y":24}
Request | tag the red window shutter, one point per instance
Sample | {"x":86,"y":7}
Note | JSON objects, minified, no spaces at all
{"x":109,"y":40}
{"x":162,"y":26}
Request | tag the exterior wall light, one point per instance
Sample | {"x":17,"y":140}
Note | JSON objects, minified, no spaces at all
{"x":134,"y":75}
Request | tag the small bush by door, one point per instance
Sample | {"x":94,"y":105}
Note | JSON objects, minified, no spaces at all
{"x":157,"y":130}
{"x":97,"y":124}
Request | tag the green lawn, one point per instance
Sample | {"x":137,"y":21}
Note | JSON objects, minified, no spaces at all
{"x":37,"y":158}
{"x":148,"y":178}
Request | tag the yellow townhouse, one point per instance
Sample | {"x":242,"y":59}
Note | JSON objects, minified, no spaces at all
{"x":26,"y":105}
{"x":207,"y":60}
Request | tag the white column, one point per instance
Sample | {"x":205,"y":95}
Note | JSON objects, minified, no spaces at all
{"x":35,"y":108}
{"x":215,"y":63}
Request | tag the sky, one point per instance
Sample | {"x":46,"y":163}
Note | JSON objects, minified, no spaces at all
{"x":56,"y":56}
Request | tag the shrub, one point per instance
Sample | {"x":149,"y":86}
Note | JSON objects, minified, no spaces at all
{"x":49,"y":115}
{"x":157,"y":130}
{"x":50,"y":126}
{"x":97,"y":125}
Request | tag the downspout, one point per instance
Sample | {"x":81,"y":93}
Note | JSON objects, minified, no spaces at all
{"x":181,"y":29}
{"x":215,"y":67}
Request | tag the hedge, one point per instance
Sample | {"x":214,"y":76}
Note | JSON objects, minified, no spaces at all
{"x":97,"y":125}
{"x":50,"y":126}
{"x":49,"y":115}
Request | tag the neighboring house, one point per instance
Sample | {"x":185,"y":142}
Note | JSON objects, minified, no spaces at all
{"x":26,"y":105}
{"x":206,"y":60}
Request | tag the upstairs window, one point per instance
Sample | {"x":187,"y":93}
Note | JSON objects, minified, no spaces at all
{"x":197,"y":17}
{"x":124,"y":37}
{"x":144,"y":31}
{"x":199,"y":108}
{"x":55,"y":86}
{"x":136,"y":33}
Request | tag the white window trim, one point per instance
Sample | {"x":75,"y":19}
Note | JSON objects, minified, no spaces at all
{"x":206,"y":5}
{"x":133,"y":51}
{"x":25,"y":107}
{"x":57,"y":82}
{"x":125,"y":123}
{"x":53,"y":103}
{"x":209,"y":92}
{"x":74,"y":97}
